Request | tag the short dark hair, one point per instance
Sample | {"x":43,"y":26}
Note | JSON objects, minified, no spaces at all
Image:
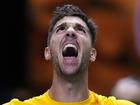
{"x":71,"y":10}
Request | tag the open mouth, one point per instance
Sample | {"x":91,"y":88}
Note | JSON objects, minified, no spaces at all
{"x":70,"y":50}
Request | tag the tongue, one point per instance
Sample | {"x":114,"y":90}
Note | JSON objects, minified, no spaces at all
{"x":70,"y":60}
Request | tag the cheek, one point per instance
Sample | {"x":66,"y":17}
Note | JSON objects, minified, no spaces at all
{"x":56,"y":38}
{"x":55,"y":43}
{"x":85,"y":43}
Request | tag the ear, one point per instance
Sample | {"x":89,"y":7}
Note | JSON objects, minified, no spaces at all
{"x":93,"y":54}
{"x":47,"y":53}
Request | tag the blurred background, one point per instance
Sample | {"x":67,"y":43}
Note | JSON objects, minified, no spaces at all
{"x":27,"y":74}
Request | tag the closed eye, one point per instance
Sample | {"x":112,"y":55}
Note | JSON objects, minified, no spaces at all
{"x":61,"y":28}
{"x":80,"y":28}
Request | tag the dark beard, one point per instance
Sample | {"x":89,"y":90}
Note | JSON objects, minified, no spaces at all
{"x":79,"y":72}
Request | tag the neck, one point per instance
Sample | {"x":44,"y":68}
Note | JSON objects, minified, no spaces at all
{"x":69,"y":91}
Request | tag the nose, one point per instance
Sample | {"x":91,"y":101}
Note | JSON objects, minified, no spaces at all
{"x":71,"y":33}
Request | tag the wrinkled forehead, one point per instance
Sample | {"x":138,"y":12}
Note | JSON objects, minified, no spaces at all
{"x":72,"y":21}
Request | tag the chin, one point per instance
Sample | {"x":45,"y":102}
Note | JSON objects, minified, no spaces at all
{"x":69,"y":70}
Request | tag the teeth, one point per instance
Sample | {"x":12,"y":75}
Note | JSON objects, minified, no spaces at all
{"x":70,"y":45}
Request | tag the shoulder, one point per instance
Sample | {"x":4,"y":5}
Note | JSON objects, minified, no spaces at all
{"x":32,"y":101}
{"x":103,"y":100}
{"x":14,"y":102}
{"x":125,"y":102}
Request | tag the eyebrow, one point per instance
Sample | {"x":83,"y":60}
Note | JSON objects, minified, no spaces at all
{"x":63,"y":24}
{"x":79,"y":25}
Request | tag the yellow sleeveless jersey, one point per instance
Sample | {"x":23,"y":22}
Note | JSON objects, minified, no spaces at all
{"x":93,"y":99}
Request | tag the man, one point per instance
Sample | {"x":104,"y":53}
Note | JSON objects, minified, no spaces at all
{"x":71,"y":40}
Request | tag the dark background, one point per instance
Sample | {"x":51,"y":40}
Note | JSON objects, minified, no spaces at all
{"x":13,"y":50}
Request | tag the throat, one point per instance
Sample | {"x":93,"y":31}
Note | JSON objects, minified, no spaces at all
{"x":69,"y":95}
{"x":63,"y":91}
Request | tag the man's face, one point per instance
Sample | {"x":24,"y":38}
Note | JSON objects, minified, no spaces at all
{"x":70,"y":45}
